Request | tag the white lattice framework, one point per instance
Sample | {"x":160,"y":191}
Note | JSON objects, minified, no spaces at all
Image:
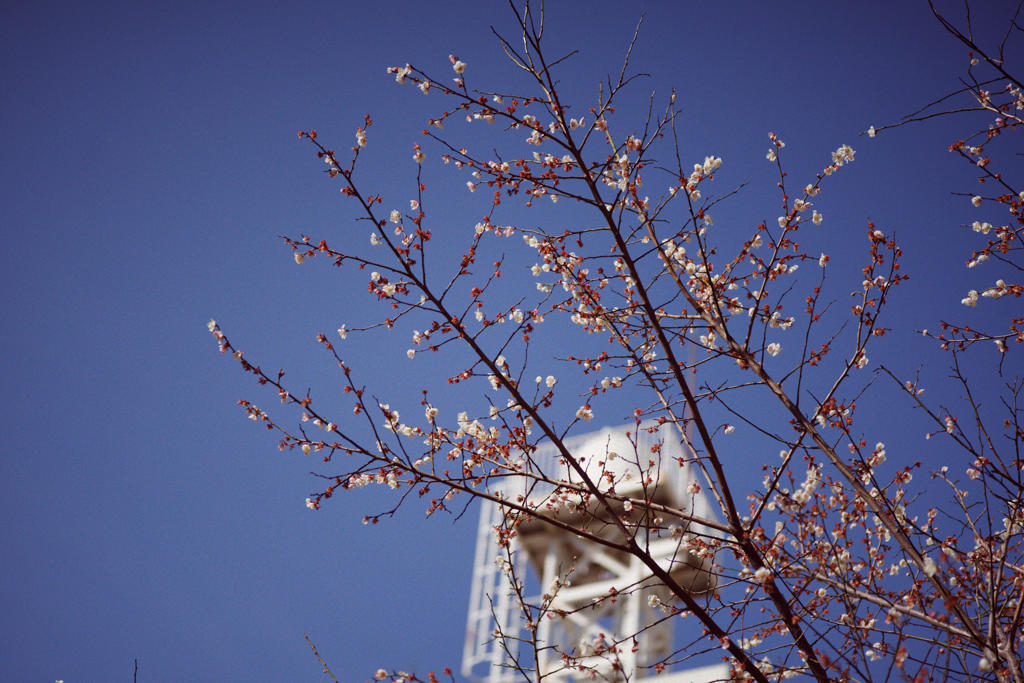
{"x":578,"y":572}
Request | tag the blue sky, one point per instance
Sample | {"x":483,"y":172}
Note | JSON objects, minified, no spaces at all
{"x":151,"y":162}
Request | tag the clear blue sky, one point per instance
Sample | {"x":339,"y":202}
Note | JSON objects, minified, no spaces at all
{"x":150,"y":163}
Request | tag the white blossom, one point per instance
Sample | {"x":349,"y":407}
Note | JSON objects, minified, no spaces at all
{"x":842,"y":155}
{"x":400,"y":72}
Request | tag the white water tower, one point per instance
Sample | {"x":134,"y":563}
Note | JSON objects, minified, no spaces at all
{"x":542,"y":554}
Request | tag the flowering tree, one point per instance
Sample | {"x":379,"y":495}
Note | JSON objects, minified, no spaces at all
{"x":841,"y":564}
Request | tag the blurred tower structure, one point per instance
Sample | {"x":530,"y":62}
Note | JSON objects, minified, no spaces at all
{"x":573,"y":573}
